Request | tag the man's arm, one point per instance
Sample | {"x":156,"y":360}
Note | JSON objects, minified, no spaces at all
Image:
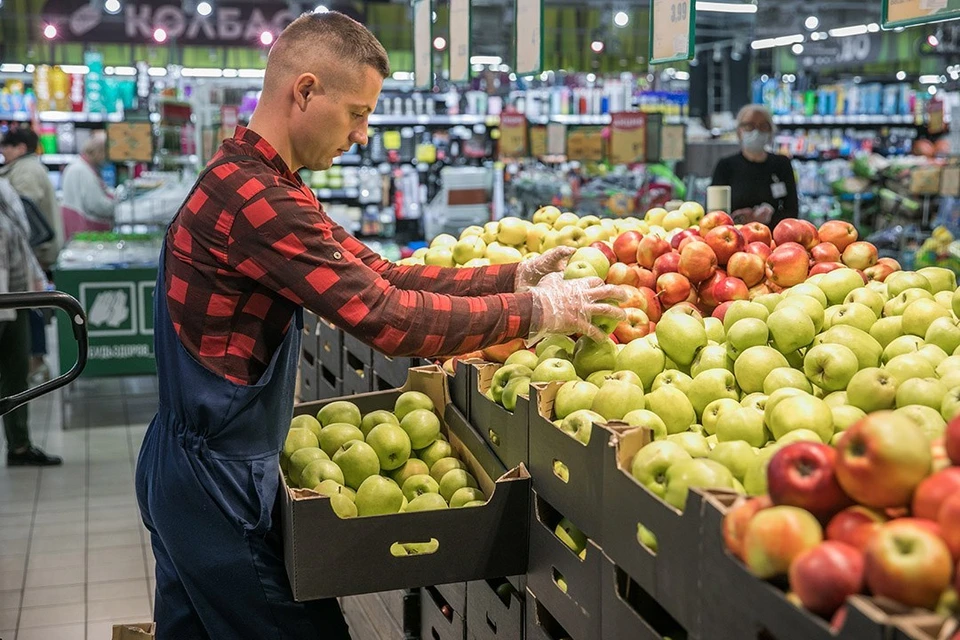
{"x":27,"y":184}
{"x":96,"y":202}
{"x":280,"y":239}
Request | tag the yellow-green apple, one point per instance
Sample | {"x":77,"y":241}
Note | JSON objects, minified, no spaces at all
{"x":334,"y":435}
{"x":909,"y":365}
{"x":645,"y":418}
{"x":790,"y":329}
{"x":940,"y":279}
{"x":411,"y":401}
{"x":465,"y":496}
{"x":306,"y":422}
{"x":867,"y":297}
{"x":571,"y":236}
{"x":730,"y":289}
{"x":755,"y":480}
{"x":391,"y":443}
{"x":794,"y":230}
{"x":852,"y":314}
{"x":920,"y":314}
{"x":839,"y":283}
{"x":855,"y":526}
{"x":412,"y":467}
{"x":425,"y":502}
{"x":697,"y":262}
{"x":422,"y":426}
{"x":896,"y":305}
{"x":435,"y":452}
{"x":643,"y":357}
{"x":504,"y":375}
{"x":725,"y":240}
{"x":741,"y":309}
{"x":616,"y":398}
{"x":440,"y":468}
{"x":675,"y":220}
{"x":674,"y":378}
{"x":372,"y":419}
{"x":801,"y":412}
{"x":860,"y":255}
{"x":577,"y":269}
{"x":674,"y":408}
{"x":473,"y":230}
{"x":948,"y":365}
{"x":522,"y":357}
{"x":803,"y":475}
{"x":501,"y":254}
{"x":547,"y":214}
{"x":516,"y":387}
{"x":927,"y":418}
{"x":737,"y":519}
{"x":358,"y":461}
{"x":714,"y":329}
{"x":741,"y":424}
{"x":651,"y":463}
{"x":754,"y":364}
{"x":695,"y":473}
{"x":554,"y":369}
{"x":655,"y":216}
{"x":908,"y":563}
{"x":872,"y":389}
{"x":579,"y":424}
{"x":807,"y":289}
{"x":775,"y":536}
{"x":786,"y":377}
{"x":882,"y":459}
{"x":714,"y":411}
{"x":564,"y":342}
{"x":590,"y":356}
{"x":776,"y":397}
{"x":825,"y":252}
{"x":712,"y":356}
{"x":944,"y":333}
{"x":736,"y":455}
{"x":340,"y":411}
{"x":469,"y":248}
{"x":886,"y":330}
{"x":318,"y":470}
{"x":748,"y":267}
{"x":830,"y":366}
{"x":838,"y":233}
{"x":811,"y":306}
{"x":826,"y":575}
{"x":787,"y":265}
{"x":454,"y":480}
{"x":866,"y":348}
{"x":843,"y":417}
{"x":694,"y":443}
{"x":712,"y":385}
{"x":378,"y":495}
{"x":566,"y":219}
{"x":300,"y":459}
{"x":418,"y":485}
{"x":595,"y":258}
{"x":680,"y":337}
{"x":928,"y":392}
{"x":693,"y":210}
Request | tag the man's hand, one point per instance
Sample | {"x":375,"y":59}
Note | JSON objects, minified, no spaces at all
{"x":530,"y":272}
{"x":568,"y":306}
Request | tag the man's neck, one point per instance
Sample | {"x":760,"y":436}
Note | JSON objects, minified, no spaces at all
{"x":274,"y":133}
{"x":754,"y":156}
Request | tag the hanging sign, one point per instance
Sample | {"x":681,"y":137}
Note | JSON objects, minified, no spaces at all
{"x":459,"y":40}
{"x":130,"y":142}
{"x":528,"y":24}
{"x":671,"y":30}
{"x":905,"y":13}
{"x":513,"y":135}
{"x":423,"y":44}
{"x":628,"y":137}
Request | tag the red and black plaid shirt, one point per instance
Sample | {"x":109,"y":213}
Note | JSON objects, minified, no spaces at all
{"x":252,"y":244}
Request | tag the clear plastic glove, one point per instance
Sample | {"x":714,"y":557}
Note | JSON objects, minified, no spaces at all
{"x":568,"y":306}
{"x":530,"y":272}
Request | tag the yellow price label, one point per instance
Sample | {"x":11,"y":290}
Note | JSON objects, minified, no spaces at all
{"x":671,"y":30}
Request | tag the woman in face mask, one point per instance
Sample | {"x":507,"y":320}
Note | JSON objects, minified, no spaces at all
{"x":762,"y":184}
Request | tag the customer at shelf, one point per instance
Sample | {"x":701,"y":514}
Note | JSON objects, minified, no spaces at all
{"x":28,"y":176}
{"x":19,"y":271}
{"x":249,"y":247}
{"x":87,"y":203}
{"x":762,"y":184}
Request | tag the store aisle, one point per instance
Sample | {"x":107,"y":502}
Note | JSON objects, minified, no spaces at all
{"x":74,"y":557}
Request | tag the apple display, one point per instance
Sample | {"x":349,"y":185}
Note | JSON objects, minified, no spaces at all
{"x":790,"y":329}
{"x":573,"y":396}
{"x":824,"y":576}
{"x":830,"y":366}
{"x":648,"y":419}
{"x":754,"y":365}
{"x":909,"y":564}
{"x":810,"y":306}
{"x":741,"y":424}
{"x":674,"y":408}
{"x":579,"y":424}
{"x":872,"y":389}
{"x":801,"y":412}
{"x":554,"y":369}
{"x":410,"y":401}
{"x":866,"y":348}
{"x":701,"y":473}
{"x":340,"y":411}
{"x":681,"y":336}
{"x":616,"y":398}
{"x":886,"y":330}
{"x":786,"y":377}
{"x":693,"y":443}
{"x":776,"y":536}
{"x":651,"y":463}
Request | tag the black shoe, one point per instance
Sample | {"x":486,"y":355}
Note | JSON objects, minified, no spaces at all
{"x":32,"y":457}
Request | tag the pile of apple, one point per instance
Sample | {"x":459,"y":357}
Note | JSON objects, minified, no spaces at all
{"x":381,"y":463}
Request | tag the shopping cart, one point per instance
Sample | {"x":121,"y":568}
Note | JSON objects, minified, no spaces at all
{"x":78,"y":321}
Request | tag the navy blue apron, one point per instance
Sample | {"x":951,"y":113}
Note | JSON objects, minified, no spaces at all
{"x":207,"y":481}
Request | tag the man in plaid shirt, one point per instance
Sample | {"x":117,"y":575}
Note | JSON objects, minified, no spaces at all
{"x":251,"y":246}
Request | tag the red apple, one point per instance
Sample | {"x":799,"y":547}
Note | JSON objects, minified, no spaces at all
{"x":713,"y":220}
{"x":758,"y":290}
{"x":881,"y":460}
{"x":938,"y":449}
{"x":648,"y":302}
{"x":776,"y":536}
{"x":949,"y":520}
{"x":756,"y":232}
{"x":855,"y":526}
{"x":625,"y":246}
{"x":824,"y":267}
{"x":952,"y":440}
{"x":802,"y":475}
{"x":730,"y":289}
{"x":649,"y":249}
{"x":788,"y":265}
{"x":645,"y":277}
{"x":890,"y":262}
{"x":667,"y":263}
{"x":909,"y":564}
{"x":606,"y":249}
{"x":681,"y":236}
{"x":725,"y":241}
{"x":878,"y":272}
{"x":825,"y":576}
{"x":825,"y":252}
{"x":697,"y":262}
{"x":736,"y":520}
{"x":635,"y":326}
{"x":758,"y":248}
{"x":793,"y":230}
{"x":934,"y":489}
{"x":838,"y":233}
{"x":621,"y":273}
{"x":748,"y":267}
{"x":706,"y":288}
{"x":672,"y":288}
{"x":721,"y":310}
{"x":860,"y":255}
{"x":929,"y":525}
{"x":686,"y":241}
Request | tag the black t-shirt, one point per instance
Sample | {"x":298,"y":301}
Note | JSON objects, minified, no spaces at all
{"x":754,"y":183}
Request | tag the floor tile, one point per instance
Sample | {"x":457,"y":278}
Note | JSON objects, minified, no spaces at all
{"x":20,"y":546}
{"x":11,"y":580}
{"x":8,"y":634}
{"x":57,"y":504}
{"x":62,"y":632}
{"x":57,"y":544}
{"x":137,"y":608}
{"x":13,"y":562}
{"x":137,"y":588}
{"x":113,"y":555}
{"x":45,"y":517}
{"x":9,"y":618}
{"x":60,"y":529}
{"x":45,"y":596}
{"x":10,"y":599}
{"x":116,"y":571}
{"x":16,"y":508}
{"x":118,"y":500}
{"x":102,"y":630}
{"x":55,"y":577}
{"x":59,"y":560}
{"x":124,"y":538}
{"x":14,"y":533}
{"x":52,"y":615}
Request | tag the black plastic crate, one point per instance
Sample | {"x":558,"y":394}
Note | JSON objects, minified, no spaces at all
{"x":359,"y":350}
{"x":330,"y":347}
{"x":494,"y":610}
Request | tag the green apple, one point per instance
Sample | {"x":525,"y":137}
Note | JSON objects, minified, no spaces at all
{"x":300,"y":459}
{"x":713,"y":411}
{"x":426,"y":502}
{"x":553,"y":369}
{"x":297,"y":438}
{"x":697,"y":473}
{"x":837,"y":284}
{"x":422,"y":426}
{"x":928,"y":419}
{"x":741,"y":309}
{"x":579,"y":269}
{"x":522,"y":357}
{"x":624,"y":376}
{"x":949,"y":364}
{"x":685,"y":310}
{"x":372,"y":419}
{"x":879,"y":287}
{"x":556,"y":340}
{"x":950,"y":407}
{"x":830,"y":366}
{"x":377,"y":496}
{"x":339,"y":411}
{"x":334,"y":435}
{"x":886,"y":330}
{"x":897,"y":304}
{"x":808,"y":289}
{"x":920,"y":314}
{"x":943,"y":333}
{"x":646,"y":537}
{"x":940,"y":279}
{"x":319,"y":470}
{"x":799,"y":435}
{"x":867,"y":349}
{"x":900,"y":281}
{"x":735,"y":455}
{"x":597,"y":378}
{"x":554,"y":351}
{"x":391,"y":443}
{"x":358,"y":461}
{"x":901,"y":346}
{"x":306,"y":422}
{"x":910,"y":365}
{"x":928,"y":392}
{"x":742,"y":424}
{"x":463,"y":497}
{"x":755,"y":364}
{"x":836,"y":399}
{"x":454,"y":480}
{"x":786,"y":377}
{"x":873,"y":389}
{"x":468,"y":248}
{"x":650,"y":464}
{"x":955,"y":303}
{"x":681,"y":336}
{"x":644,"y":358}
{"x":571,"y":536}
{"x":573,"y":396}
{"x":950,"y":379}
{"x":434,"y":452}
{"x":515,"y":388}
{"x":714,"y":329}
{"x":674,"y":408}
{"x":504,"y":375}
{"x":443,"y":465}
{"x":746,"y":333}
{"x":595,"y":258}
{"x":694,"y":443}
{"x":846,"y":415}
{"x":755,"y":479}
{"x":769,"y":301}
{"x":616,"y":398}
{"x":868,"y":298}
{"x":852,"y":314}
{"x":776,"y":398}
{"x":412,"y":401}
{"x":712,"y":356}
{"x":710,"y":386}
{"x":410,"y":468}
{"x":944,"y":299}
{"x":332,"y":488}
{"x":579,"y":424}
{"x":344,"y":507}
{"x":418,"y":485}
{"x":756,"y":400}
{"x":932,"y":354}
{"x":645,"y":418}
{"x":810,"y":306}
{"x":439,"y":257}
{"x":790,"y":329}
{"x":802,"y":412}
{"x":672,"y":378}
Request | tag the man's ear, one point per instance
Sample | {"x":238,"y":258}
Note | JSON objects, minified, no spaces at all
{"x":305,"y":86}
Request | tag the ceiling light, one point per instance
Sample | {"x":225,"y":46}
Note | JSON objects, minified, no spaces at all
{"x":811,"y":23}
{"x":873,"y":27}
{"x":591,"y":77}
{"x":204,"y":8}
{"x":439,"y":43}
{"x":621,"y":19}
{"x":682,"y":75}
{"x":75,"y":69}
{"x":321,"y":9}
{"x":929,"y":79}
{"x":11,"y":67}
{"x":160,"y":35}
{"x":933,"y":40}
{"x":797,"y":49}
{"x":901,"y":75}
{"x":156,"y":72}
{"x":843,"y":32}
{"x":112,"y":7}
{"x":49,"y":32}
{"x":932,"y":90}
{"x":266,"y":38}
{"x":485,"y":59}
{"x":596,"y":46}
{"x":726,"y":7}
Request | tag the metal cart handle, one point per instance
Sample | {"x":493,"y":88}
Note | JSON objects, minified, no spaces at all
{"x":77,"y":319}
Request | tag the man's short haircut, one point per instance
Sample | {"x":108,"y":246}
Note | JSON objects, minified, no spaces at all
{"x":21,"y":135}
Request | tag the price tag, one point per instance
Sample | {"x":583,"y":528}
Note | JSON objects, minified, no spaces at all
{"x":672,"y":139}
{"x":905,"y":13}
{"x":529,"y":36}
{"x":459,"y":40}
{"x":513,"y":135}
{"x":422,"y":44}
{"x":538,"y":141}
{"x":130,"y":141}
{"x":556,"y":139}
{"x":628,"y":138}
{"x":671,"y":30}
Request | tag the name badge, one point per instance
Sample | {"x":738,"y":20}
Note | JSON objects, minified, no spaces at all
{"x":778,"y":189}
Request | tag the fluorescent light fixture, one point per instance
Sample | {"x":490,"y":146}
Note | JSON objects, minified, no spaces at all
{"x":190,"y":72}
{"x":513,"y":77}
{"x":403,"y":75}
{"x":929,"y":79}
{"x":266,"y":38}
{"x":485,"y":59}
{"x":843,"y":32}
{"x":596,"y":46}
{"x":782,"y":41}
{"x":157,"y":72}
{"x":621,"y":19}
{"x":49,"y":32}
{"x":124,"y":71}
{"x":933,"y":40}
{"x":321,"y":9}
{"x":811,"y":23}
{"x":75,"y":68}
{"x":229,"y":73}
{"x":250,"y":73}
{"x":682,"y":75}
{"x":726,"y":7}
{"x":11,"y":67}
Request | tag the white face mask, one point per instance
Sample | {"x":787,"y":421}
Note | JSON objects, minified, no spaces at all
{"x":755,"y":141}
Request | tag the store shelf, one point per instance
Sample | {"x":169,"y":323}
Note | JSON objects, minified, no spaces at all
{"x":63,"y":116}
{"x":429,"y":120}
{"x":864,"y":120}
{"x":59,"y":158}
{"x":350,"y":193}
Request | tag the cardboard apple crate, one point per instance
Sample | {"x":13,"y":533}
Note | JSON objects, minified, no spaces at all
{"x":739,"y":605}
{"x":488,"y":617}
{"x":505,"y":431}
{"x":540,"y":624}
{"x":330,"y":347}
{"x":327,"y":556}
{"x":459,"y":384}
{"x":670,"y":576}
{"x":438,"y":620}
{"x":309,"y":387}
{"x":310,"y":341}
{"x":357,"y":376}
{"x":328,"y":385}
{"x":133,"y":631}
{"x":925,"y":626}
{"x":394,"y":370}
{"x":577,"y":610}
{"x":359,"y":350}
{"x":628,"y":612}
{"x":579,"y":495}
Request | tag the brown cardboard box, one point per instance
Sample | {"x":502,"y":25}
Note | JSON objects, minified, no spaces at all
{"x":459,"y":384}
{"x":540,"y":624}
{"x":327,"y":556}
{"x":138,"y":631}
{"x":505,"y":431}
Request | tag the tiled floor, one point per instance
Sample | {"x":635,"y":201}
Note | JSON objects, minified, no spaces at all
{"x":74,"y":557}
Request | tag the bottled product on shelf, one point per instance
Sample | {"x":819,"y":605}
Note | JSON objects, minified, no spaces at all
{"x":845,"y":98}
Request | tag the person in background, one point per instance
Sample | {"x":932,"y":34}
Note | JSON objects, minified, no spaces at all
{"x":19,"y":271}
{"x":28,"y":177}
{"x":762,"y":184}
{"x":87,"y":204}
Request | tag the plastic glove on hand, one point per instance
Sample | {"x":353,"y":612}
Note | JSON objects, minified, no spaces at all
{"x":530,"y":272}
{"x":569,"y":306}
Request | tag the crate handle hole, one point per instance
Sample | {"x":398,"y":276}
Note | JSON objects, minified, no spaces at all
{"x":559,"y":580}
{"x":409,"y":549}
{"x":646,"y":538}
{"x":494,"y":438}
{"x":327,"y":347}
{"x":561,"y":471}
{"x":433,"y":632}
{"x":491,"y":624}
